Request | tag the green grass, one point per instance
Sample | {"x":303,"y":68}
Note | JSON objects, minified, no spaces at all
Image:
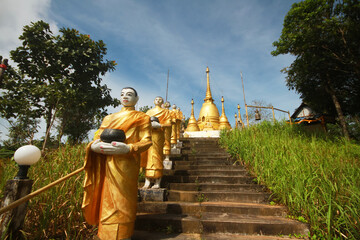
{"x":316,"y":176}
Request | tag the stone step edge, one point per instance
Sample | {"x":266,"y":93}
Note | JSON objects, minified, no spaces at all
{"x":142,"y":235}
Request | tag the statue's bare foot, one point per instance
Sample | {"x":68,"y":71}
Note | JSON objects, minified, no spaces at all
{"x":147,"y":184}
{"x":157,"y":184}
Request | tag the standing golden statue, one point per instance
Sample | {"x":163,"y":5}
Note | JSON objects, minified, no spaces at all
{"x":152,"y":159}
{"x":112,"y":169}
{"x":174,"y":117}
{"x":167,"y":147}
{"x":178,"y":123}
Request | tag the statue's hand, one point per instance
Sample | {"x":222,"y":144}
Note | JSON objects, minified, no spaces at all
{"x":113,"y":148}
{"x":155,"y":125}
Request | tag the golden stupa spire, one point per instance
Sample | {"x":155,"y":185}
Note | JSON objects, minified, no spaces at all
{"x":192,"y":124}
{"x":242,"y":124}
{"x":208,"y":110}
{"x":236,"y":121}
{"x":224,"y":123}
{"x":208,"y":97}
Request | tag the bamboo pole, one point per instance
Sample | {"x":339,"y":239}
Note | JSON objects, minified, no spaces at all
{"x":273,"y":113}
{"x":37,"y":192}
{"x":289,"y":117}
{"x":247,"y":116}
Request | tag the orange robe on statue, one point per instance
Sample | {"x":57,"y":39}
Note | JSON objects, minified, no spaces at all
{"x":152,"y":159}
{"x":110,"y":185}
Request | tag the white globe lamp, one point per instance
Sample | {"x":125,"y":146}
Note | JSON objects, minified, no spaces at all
{"x":26,"y":156}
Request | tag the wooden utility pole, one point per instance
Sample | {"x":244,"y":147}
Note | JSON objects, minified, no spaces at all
{"x":167,"y":86}
{"x":247,"y":116}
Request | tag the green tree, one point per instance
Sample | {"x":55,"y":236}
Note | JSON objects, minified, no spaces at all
{"x":324,"y":36}
{"x":144,"y":109}
{"x":58,"y":77}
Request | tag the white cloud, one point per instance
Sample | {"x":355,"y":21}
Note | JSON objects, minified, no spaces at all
{"x":14,"y":15}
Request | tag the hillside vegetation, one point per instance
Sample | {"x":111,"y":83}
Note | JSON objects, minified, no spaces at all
{"x":316,"y":176}
{"x":55,"y":213}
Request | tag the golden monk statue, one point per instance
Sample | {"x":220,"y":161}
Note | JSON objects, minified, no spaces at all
{"x":167,"y":146}
{"x":178,"y":123}
{"x":112,"y":169}
{"x":152,"y":159}
{"x":174,"y":115}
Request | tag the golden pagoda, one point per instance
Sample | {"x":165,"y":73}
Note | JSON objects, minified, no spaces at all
{"x":209,"y":114}
{"x":192,"y":124}
{"x":224,"y":123}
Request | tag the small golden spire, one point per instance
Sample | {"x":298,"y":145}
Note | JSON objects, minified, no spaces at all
{"x":208,"y":97}
{"x":224,"y":123}
{"x":192,"y":107}
{"x":240,"y":119}
{"x":236,"y":122}
{"x":222,"y":106}
{"x":192,"y":124}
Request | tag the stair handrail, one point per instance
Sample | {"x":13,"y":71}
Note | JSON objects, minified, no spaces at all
{"x":37,"y":192}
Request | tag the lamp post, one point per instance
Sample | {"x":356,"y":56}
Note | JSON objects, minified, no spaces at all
{"x":12,"y":220}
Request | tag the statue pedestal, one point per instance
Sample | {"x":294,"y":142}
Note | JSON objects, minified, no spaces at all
{"x":203,"y":134}
{"x":152,"y":195}
{"x":167,"y":164}
{"x":175,"y":151}
{"x":179,"y":144}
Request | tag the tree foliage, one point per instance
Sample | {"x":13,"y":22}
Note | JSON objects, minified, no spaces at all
{"x":58,"y":76}
{"x":324,"y":36}
{"x":144,"y":109}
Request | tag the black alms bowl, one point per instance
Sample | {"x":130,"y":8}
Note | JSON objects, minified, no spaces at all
{"x":154,"y":119}
{"x":112,"y":135}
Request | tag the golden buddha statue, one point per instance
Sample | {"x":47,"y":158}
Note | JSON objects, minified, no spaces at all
{"x":174,"y":116}
{"x":167,"y":144}
{"x":192,"y":124}
{"x":208,"y":109}
{"x":152,"y":159}
{"x":112,"y":169}
{"x":178,"y":123}
{"x":224,"y":123}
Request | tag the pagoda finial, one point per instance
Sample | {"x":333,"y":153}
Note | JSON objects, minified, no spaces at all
{"x":192,"y":107}
{"x":208,"y":96}
{"x":240,"y":119}
{"x":192,"y":124}
{"x":222,"y":106}
{"x":224,"y":123}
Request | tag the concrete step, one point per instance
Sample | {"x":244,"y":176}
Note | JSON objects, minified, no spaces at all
{"x":205,"y":161}
{"x":194,"y":208}
{"x":212,"y":172}
{"x":220,"y":223}
{"x":216,"y":187}
{"x":214,"y":152}
{"x":199,"y":149}
{"x":151,"y":235}
{"x":208,"y":179}
{"x":208,"y":167}
{"x":218,"y":196}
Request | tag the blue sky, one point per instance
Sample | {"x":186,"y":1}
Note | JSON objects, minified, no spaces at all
{"x":148,"y":37}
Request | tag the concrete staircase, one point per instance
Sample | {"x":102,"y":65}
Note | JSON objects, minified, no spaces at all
{"x":211,"y":198}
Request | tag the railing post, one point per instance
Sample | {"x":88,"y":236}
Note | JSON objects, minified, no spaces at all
{"x":12,"y":221}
